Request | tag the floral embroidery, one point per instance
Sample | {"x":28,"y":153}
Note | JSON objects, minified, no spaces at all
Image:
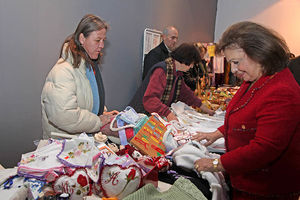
{"x":82,"y":148}
{"x":82,"y":180}
{"x":28,"y":159}
{"x":76,"y":185}
{"x":131,"y":176}
{"x":113,"y":178}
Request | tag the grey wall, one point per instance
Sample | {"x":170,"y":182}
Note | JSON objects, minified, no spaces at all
{"x":278,"y":15}
{"x":31,"y":33}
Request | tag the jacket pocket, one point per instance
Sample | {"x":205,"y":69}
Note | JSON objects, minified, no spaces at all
{"x":241,"y":134}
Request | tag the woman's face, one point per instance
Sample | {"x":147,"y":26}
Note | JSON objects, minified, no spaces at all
{"x":94,"y":43}
{"x":183,"y":67}
{"x":242,"y":66}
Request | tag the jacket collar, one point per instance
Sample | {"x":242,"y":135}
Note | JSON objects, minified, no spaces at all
{"x":164,"y":47}
{"x":243,"y":97}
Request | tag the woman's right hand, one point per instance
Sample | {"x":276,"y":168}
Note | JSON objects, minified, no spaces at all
{"x":205,"y":109}
{"x":113,"y":112}
{"x":209,"y":137}
{"x":171,"y":117}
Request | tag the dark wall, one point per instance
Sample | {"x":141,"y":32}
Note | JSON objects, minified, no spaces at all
{"x":31,"y":34}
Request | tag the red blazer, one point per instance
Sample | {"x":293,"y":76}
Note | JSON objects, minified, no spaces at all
{"x":262,"y":136}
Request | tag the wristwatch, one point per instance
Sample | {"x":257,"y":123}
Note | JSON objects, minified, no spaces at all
{"x":215,"y":162}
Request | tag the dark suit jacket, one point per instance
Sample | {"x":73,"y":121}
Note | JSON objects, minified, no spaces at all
{"x":294,"y":66}
{"x":156,"y":55}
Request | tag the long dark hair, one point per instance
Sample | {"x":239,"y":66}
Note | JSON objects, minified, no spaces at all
{"x":87,"y":24}
{"x":261,"y":44}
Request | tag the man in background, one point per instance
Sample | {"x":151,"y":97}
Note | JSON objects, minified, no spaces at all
{"x":161,"y":52}
{"x":294,"y":66}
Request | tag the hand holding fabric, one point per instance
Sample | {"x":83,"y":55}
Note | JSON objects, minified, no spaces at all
{"x":206,"y":164}
{"x":209,"y":137}
{"x":105,"y":128}
{"x":205,"y":109}
{"x":171,"y":117}
{"x":113,"y":112}
{"x":105,"y":119}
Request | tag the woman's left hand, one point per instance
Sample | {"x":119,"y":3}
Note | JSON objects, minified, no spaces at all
{"x":113,"y":112}
{"x":206,"y":164}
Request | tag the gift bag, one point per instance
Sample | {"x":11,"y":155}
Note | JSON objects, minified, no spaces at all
{"x":149,"y":139}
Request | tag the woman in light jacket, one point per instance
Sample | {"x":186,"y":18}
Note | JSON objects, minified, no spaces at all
{"x":73,"y":94}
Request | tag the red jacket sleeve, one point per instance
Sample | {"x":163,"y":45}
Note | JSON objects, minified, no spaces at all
{"x":221,"y":129}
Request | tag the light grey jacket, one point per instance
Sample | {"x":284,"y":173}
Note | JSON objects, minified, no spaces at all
{"x":67,"y":100}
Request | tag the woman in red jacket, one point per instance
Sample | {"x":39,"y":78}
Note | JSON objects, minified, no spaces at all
{"x":262,"y":123}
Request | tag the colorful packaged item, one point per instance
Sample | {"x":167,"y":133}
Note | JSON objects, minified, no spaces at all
{"x":149,"y":139}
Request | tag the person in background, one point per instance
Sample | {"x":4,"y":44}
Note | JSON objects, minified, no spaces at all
{"x":294,"y":66}
{"x":162,"y":51}
{"x":198,"y":71}
{"x":164,"y":84}
{"x":261,"y":128}
{"x":291,"y":56}
{"x":73,"y":96}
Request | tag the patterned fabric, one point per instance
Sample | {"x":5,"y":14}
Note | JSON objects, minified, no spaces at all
{"x":42,"y":163}
{"x":76,"y":184}
{"x":170,"y":77}
{"x":78,"y":152}
{"x":118,"y":181}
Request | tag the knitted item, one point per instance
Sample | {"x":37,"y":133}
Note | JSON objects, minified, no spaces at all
{"x":180,"y":190}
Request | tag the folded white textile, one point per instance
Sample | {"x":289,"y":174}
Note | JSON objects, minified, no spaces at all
{"x":185,"y":157}
{"x":42,"y":163}
{"x":191,"y":121}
